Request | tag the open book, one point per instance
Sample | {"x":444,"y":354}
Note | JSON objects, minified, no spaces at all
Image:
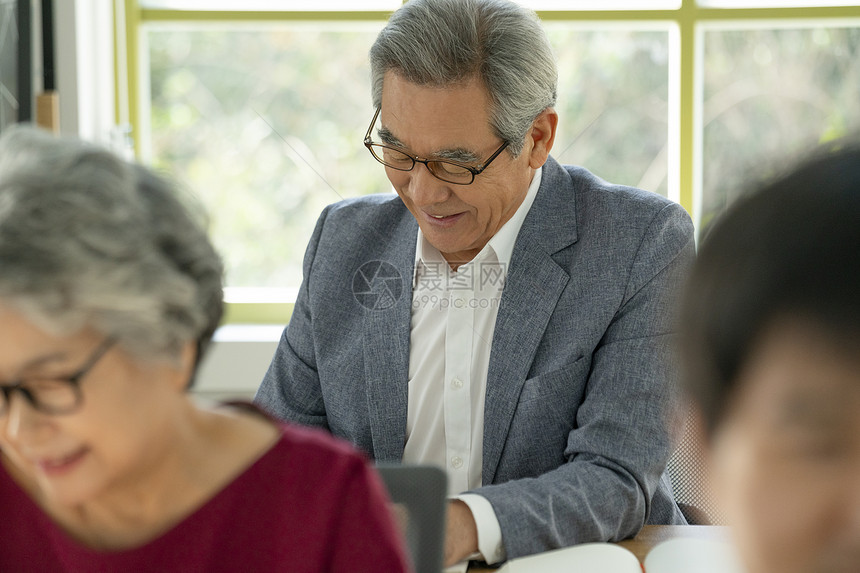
{"x":680,"y":555}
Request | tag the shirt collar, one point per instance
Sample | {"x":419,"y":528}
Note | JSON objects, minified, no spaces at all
{"x":502,"y":243}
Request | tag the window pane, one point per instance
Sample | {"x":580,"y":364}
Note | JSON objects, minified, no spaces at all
{"x":769,"y":95}
{"x":613,"y":103}
{"x":352,"y":5}
{"x":269,"y":131}
{"x":773,"y":3}
{"x":266,"y":125}
{"x":601,"y":4}
{"x":266,"y":5}
{"x":9,"y":61}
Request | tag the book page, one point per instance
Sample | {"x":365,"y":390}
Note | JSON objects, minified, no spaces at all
{"x":691,"y":555}
{"x":586,"y":558}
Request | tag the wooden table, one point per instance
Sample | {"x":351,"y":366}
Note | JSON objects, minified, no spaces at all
{"x":650,"y":536}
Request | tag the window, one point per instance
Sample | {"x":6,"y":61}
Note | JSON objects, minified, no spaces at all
{"x":262,"y":113}
{"x":771,"y":93}
{"x":774,"y":3}
{"x":613,"y":104}
{"x":265,"y":123}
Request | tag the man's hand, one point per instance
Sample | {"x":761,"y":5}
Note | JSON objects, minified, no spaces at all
{"x":461,"y":533}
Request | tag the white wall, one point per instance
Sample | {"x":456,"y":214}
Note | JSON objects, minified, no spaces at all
{"x":237,"y":361}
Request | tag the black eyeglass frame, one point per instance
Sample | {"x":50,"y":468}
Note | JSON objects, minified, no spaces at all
{"x":475,"y":171}
{"x":73,"y":381}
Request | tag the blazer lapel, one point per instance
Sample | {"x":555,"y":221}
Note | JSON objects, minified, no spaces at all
{"x":533,"y":286}
{"x":386,"y":345}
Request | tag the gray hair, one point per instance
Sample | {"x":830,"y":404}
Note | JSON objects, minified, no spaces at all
{"x":440,"y":43}
{"x":90,"y":240}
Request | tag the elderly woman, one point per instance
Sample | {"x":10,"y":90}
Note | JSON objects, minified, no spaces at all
{"x":109,"y":294}
{"x":771,"y":329}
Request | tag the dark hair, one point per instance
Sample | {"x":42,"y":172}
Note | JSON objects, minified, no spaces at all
{"x":789,"y":250}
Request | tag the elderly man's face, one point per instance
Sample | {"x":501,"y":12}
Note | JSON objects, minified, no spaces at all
{"x":453,"y":123}
{"x":787,"y":458}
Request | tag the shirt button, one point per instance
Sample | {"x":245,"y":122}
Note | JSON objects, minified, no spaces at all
{"x":457,"y":462}
{"x":456,"y":383}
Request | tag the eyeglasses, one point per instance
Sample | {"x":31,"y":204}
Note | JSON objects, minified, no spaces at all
{"x":445,"y":169}
{"x":53,"y":394}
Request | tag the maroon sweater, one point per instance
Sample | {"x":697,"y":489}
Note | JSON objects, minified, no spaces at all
{"x":310,"y":504}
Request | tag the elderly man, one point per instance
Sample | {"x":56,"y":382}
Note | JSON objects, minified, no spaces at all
{"x":503,"y":316}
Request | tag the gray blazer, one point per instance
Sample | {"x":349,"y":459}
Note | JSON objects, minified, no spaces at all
{"x":579,"y":387}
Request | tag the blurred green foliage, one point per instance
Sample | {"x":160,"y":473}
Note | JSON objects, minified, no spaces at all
{"x":770,"y":96}
{"x":613,"y":103}
{"x":265,"y":123}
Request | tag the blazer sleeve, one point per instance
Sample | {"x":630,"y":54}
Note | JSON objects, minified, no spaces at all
{"x":619,"y":446}
{"x":291,"y":389}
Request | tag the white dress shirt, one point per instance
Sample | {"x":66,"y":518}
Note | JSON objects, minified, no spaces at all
{"x":453,"y":321}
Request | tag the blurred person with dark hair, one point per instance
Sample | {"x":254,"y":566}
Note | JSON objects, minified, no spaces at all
{"x":110,"y":292}
{"x":771,"y":352}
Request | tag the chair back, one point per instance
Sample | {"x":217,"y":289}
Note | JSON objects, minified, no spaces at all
{"x":689,"y":475}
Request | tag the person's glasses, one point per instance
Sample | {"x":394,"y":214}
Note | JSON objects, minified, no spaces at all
{"x":53,"y":394}
{"x":445,"y":169}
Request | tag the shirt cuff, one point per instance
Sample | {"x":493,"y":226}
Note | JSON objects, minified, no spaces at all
{"x":487,"y":524}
